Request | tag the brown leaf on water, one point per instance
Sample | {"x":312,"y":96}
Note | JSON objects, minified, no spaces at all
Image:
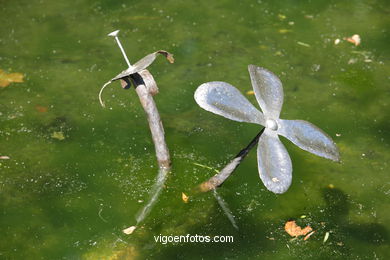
{"x":294,"y":230}
{"x":8,"y":78}
{"x":41,"y":109}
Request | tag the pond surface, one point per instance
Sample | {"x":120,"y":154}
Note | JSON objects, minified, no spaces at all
{"x":77,"y":173}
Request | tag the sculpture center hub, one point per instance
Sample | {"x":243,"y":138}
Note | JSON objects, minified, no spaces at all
{"x":271,"y":124}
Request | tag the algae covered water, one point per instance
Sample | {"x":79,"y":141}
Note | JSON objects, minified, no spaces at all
{"x":73,"y":175}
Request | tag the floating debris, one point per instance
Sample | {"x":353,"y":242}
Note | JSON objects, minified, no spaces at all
{"x":282,"y":17}
{"x":8,"y":78}
{"x":140,"y":18}
{"x":283,"y":31}
{"x":308,"y":235}
{"x":303,"y":44}
{"x":184,"y":197}
{"x":129,"y":230}
{"x":58,"y":135}
{"x":355,"y":39}
{"x":352,"y":61}
{"x":4,"y":157}
{"x":206,"y":167}
{"x":326,"y":237}
{"x":337,"y":41}
{"x":294,"y":230}
{"x":100,"y":215}
{"x":41,"y":109}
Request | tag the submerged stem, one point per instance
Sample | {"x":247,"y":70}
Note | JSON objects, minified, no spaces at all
{"x":154,"y":194}
{"x":225,"y":208}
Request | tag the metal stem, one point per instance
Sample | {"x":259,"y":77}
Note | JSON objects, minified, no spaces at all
{"x":115,"y":35}
{"x":123,"y":51}
{"x":218,"y":179}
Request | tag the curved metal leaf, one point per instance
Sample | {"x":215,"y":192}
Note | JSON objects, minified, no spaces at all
{"x":225,"y":100}
{"x":275,"y":167}
{"x":268,"y":90}
{"x":309,"y":137}
{"x":143,"y":64}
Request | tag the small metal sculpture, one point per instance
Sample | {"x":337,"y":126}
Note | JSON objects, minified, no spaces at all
{"x":146,"y":88}
{"x":274,"y":162}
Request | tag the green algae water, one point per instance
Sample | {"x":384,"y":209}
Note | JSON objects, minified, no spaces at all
{"x":77,"y":174}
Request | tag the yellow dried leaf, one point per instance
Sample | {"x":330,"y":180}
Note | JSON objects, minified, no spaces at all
{"x":8,"y":78}
{"x":184,"y":197}
{"x":294,"y":230}
{"x":250,"y":92}
{"x":58,"y":135}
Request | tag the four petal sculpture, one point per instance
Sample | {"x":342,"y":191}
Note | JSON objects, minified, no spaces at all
{"x":274,"y":163}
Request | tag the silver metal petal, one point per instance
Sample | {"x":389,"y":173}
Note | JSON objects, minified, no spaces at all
{"x":225,"y":100}
{"x":143,"y":64}
{"x":309,"y":137}
{"x":275,"y":167}
{"x":268,"y":90}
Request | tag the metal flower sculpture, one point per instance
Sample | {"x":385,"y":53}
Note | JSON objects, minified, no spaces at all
{"x":274,"y":162}
{"x":146,"y":87}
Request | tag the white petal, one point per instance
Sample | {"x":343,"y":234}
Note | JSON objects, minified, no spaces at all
{"x":223,"y":99}
{"x":309,"y":137}
{"x":268,"y":90}
{"x":274,"y":163}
